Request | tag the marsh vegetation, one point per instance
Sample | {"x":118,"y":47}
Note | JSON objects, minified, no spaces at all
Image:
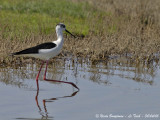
{"x":104,"y":29}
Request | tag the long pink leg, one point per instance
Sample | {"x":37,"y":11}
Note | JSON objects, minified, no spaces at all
{"x":38,"y":75}
{"x":45,"y":70}
{"x":57,"y":80}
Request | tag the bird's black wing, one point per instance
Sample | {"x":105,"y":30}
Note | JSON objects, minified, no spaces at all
{"x":35,"y":50}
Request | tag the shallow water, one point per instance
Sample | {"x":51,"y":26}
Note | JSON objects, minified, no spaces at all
{"x":108,"y":90}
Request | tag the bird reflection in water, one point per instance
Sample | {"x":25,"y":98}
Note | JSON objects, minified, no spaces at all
{"x":45,"y":114}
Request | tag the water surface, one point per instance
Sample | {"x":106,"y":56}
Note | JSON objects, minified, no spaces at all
{"x":107,"y":90}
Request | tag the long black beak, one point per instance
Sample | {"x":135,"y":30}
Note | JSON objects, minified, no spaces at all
{"x":70,"y":33}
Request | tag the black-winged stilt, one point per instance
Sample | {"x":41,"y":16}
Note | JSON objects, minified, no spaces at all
{"x":46,"y":51}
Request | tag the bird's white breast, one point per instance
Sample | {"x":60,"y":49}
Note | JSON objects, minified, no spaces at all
{"x":47,"y":54}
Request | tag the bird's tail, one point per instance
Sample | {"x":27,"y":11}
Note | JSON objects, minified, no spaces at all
{"x":12,"y":54}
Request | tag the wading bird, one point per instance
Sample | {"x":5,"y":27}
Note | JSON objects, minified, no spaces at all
{"x":46,"y":51}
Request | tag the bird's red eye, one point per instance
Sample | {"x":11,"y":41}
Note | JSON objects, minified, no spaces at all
{"x":63,"y":26}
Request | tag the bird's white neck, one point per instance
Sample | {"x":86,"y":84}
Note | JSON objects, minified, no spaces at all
{"x":59,"y":34}
{"x":59,"y":40}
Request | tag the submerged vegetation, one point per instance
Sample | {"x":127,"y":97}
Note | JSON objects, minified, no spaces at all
{"x":105,"y":28}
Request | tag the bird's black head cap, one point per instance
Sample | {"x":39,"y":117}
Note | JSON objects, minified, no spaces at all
{"x":61,"y":25}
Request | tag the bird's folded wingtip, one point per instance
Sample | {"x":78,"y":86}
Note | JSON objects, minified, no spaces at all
{"x":11,"y":54}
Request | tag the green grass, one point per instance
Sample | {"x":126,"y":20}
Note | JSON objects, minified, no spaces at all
{"x":109,"y":27}
{"x":41,"y":16}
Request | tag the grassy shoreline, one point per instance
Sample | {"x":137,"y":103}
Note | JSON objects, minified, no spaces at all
{"x":109,"y":27}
